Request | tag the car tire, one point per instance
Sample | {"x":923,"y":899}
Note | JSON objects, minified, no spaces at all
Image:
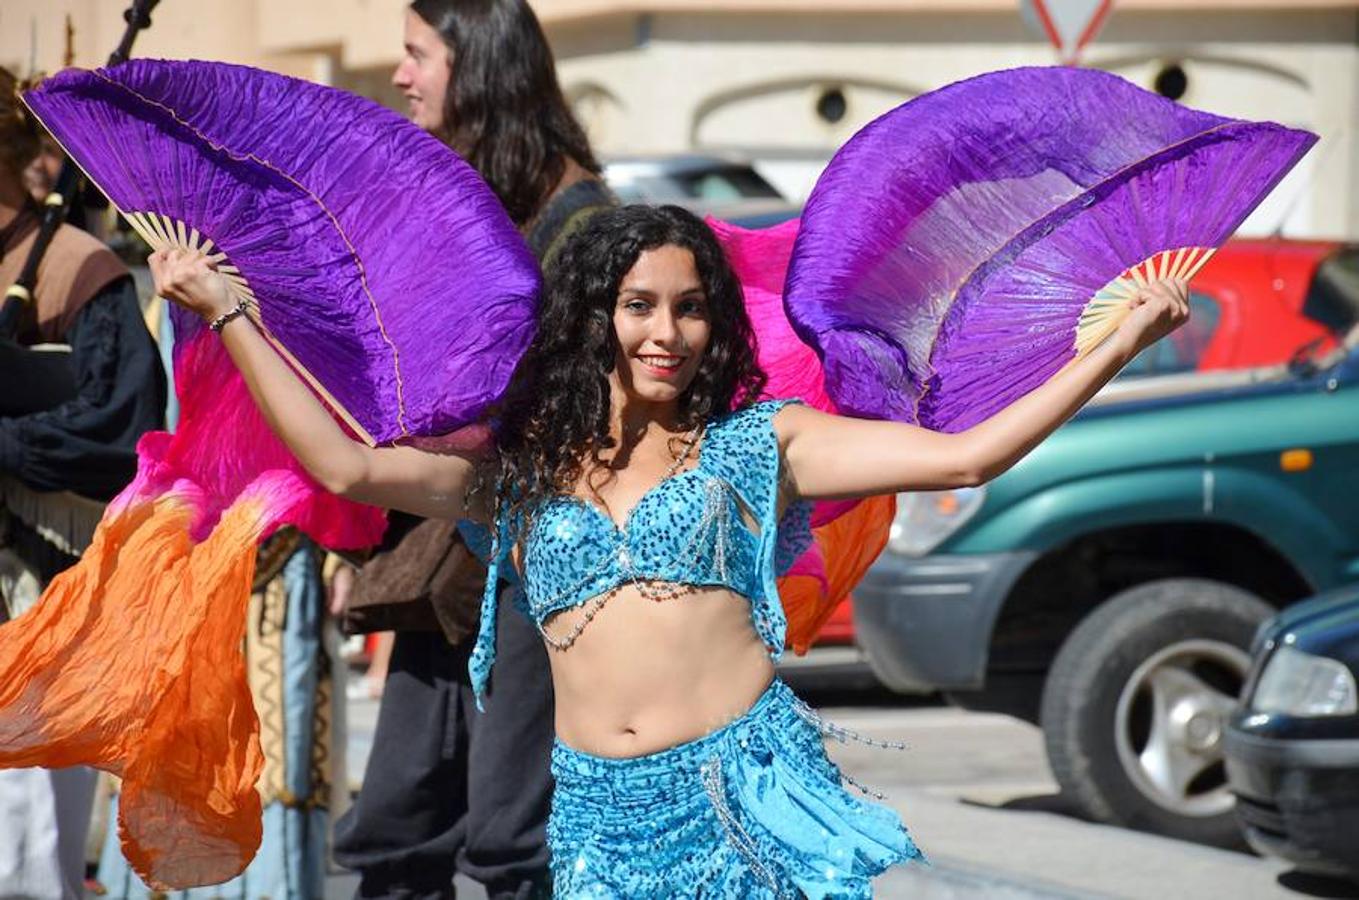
{"x":1136,"y":700}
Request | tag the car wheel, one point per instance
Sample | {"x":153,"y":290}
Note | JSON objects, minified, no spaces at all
{"x":1136,"y":702}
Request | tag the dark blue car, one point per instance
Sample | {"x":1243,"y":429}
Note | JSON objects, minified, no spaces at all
{"x":1292,"y":747}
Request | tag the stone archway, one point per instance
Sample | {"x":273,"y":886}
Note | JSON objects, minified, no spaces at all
{"x":790,"y":127}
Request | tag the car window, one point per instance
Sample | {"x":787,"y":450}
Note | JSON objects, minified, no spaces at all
{"x":1333,"y":297}
{"x":1182,"y":350}
{"x":627,"y":191}
{"x":717,"y":184}
{"x":730,"y":183}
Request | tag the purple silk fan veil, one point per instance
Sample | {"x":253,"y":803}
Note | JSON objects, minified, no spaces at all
{"x":380,"y":261}
{"x":949,"y":251}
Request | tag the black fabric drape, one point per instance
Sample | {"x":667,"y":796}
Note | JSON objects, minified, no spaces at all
{"x":86,"y":444}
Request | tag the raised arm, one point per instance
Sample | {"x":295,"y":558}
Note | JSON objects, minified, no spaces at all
{"x":834,"y":457}
{"x":427,"y":484}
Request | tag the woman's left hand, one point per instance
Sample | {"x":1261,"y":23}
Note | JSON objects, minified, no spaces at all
{"x":1157,"y":310}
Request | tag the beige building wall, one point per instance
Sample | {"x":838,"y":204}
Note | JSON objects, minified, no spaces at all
{"x":763,"y":78}
{"x":751,"y":83}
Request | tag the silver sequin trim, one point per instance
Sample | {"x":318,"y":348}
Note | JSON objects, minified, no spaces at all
{"x":711,"y":772}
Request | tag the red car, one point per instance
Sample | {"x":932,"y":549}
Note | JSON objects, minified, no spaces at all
{"x":1259,"y":302}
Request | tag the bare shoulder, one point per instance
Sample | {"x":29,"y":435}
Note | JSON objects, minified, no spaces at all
{"x":795,"y":419}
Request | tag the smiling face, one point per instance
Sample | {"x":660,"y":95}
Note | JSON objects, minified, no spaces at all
{"x":662,"y":324}
{"x":424,"y":72}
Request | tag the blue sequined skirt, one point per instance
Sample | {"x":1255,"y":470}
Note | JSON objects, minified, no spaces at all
{"x":753,"y":810}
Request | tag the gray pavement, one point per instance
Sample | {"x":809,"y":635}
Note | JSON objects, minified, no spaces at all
{"x":977,"y":794}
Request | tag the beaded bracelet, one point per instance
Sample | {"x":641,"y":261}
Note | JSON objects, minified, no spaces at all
{"x":220,"y":322}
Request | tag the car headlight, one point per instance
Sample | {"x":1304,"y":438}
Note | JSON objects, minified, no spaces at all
{"x":1297,"y":683}
{"x":926,"y":518}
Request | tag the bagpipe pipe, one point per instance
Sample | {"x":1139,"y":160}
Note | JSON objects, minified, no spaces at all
{"x":50,"y":372}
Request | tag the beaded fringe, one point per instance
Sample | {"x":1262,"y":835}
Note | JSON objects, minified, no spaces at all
{"x":844,"y":736}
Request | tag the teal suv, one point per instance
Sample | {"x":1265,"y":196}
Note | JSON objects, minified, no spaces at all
{"x":1108,"y":587}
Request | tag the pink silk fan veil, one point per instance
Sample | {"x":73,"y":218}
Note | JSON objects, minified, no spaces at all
{"x":386,"y":272}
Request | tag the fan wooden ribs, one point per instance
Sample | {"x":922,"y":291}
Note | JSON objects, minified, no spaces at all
{"x":161,"y":232}
{"x":1109,"y":307}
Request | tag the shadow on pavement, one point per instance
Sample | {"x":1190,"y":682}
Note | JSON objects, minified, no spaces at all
{"x":1045,"y":803}
{"x":1318,"y":885}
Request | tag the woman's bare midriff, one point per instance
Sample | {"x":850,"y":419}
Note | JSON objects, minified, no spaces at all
{"x":647,"y":675}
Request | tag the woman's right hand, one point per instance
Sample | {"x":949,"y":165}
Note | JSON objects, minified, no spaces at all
{"x":190,"y":279}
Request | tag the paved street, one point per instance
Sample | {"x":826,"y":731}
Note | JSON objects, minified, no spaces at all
{"x":976,"y":792}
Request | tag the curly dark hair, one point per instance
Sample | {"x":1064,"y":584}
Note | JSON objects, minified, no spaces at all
{"x":504,"y":111}
{"x":556,"y":412}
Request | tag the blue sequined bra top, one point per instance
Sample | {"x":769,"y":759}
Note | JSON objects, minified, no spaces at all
{"x":712,"y":525}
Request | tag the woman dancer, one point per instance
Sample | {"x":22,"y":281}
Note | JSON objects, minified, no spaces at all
{"x":647,"y":520}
